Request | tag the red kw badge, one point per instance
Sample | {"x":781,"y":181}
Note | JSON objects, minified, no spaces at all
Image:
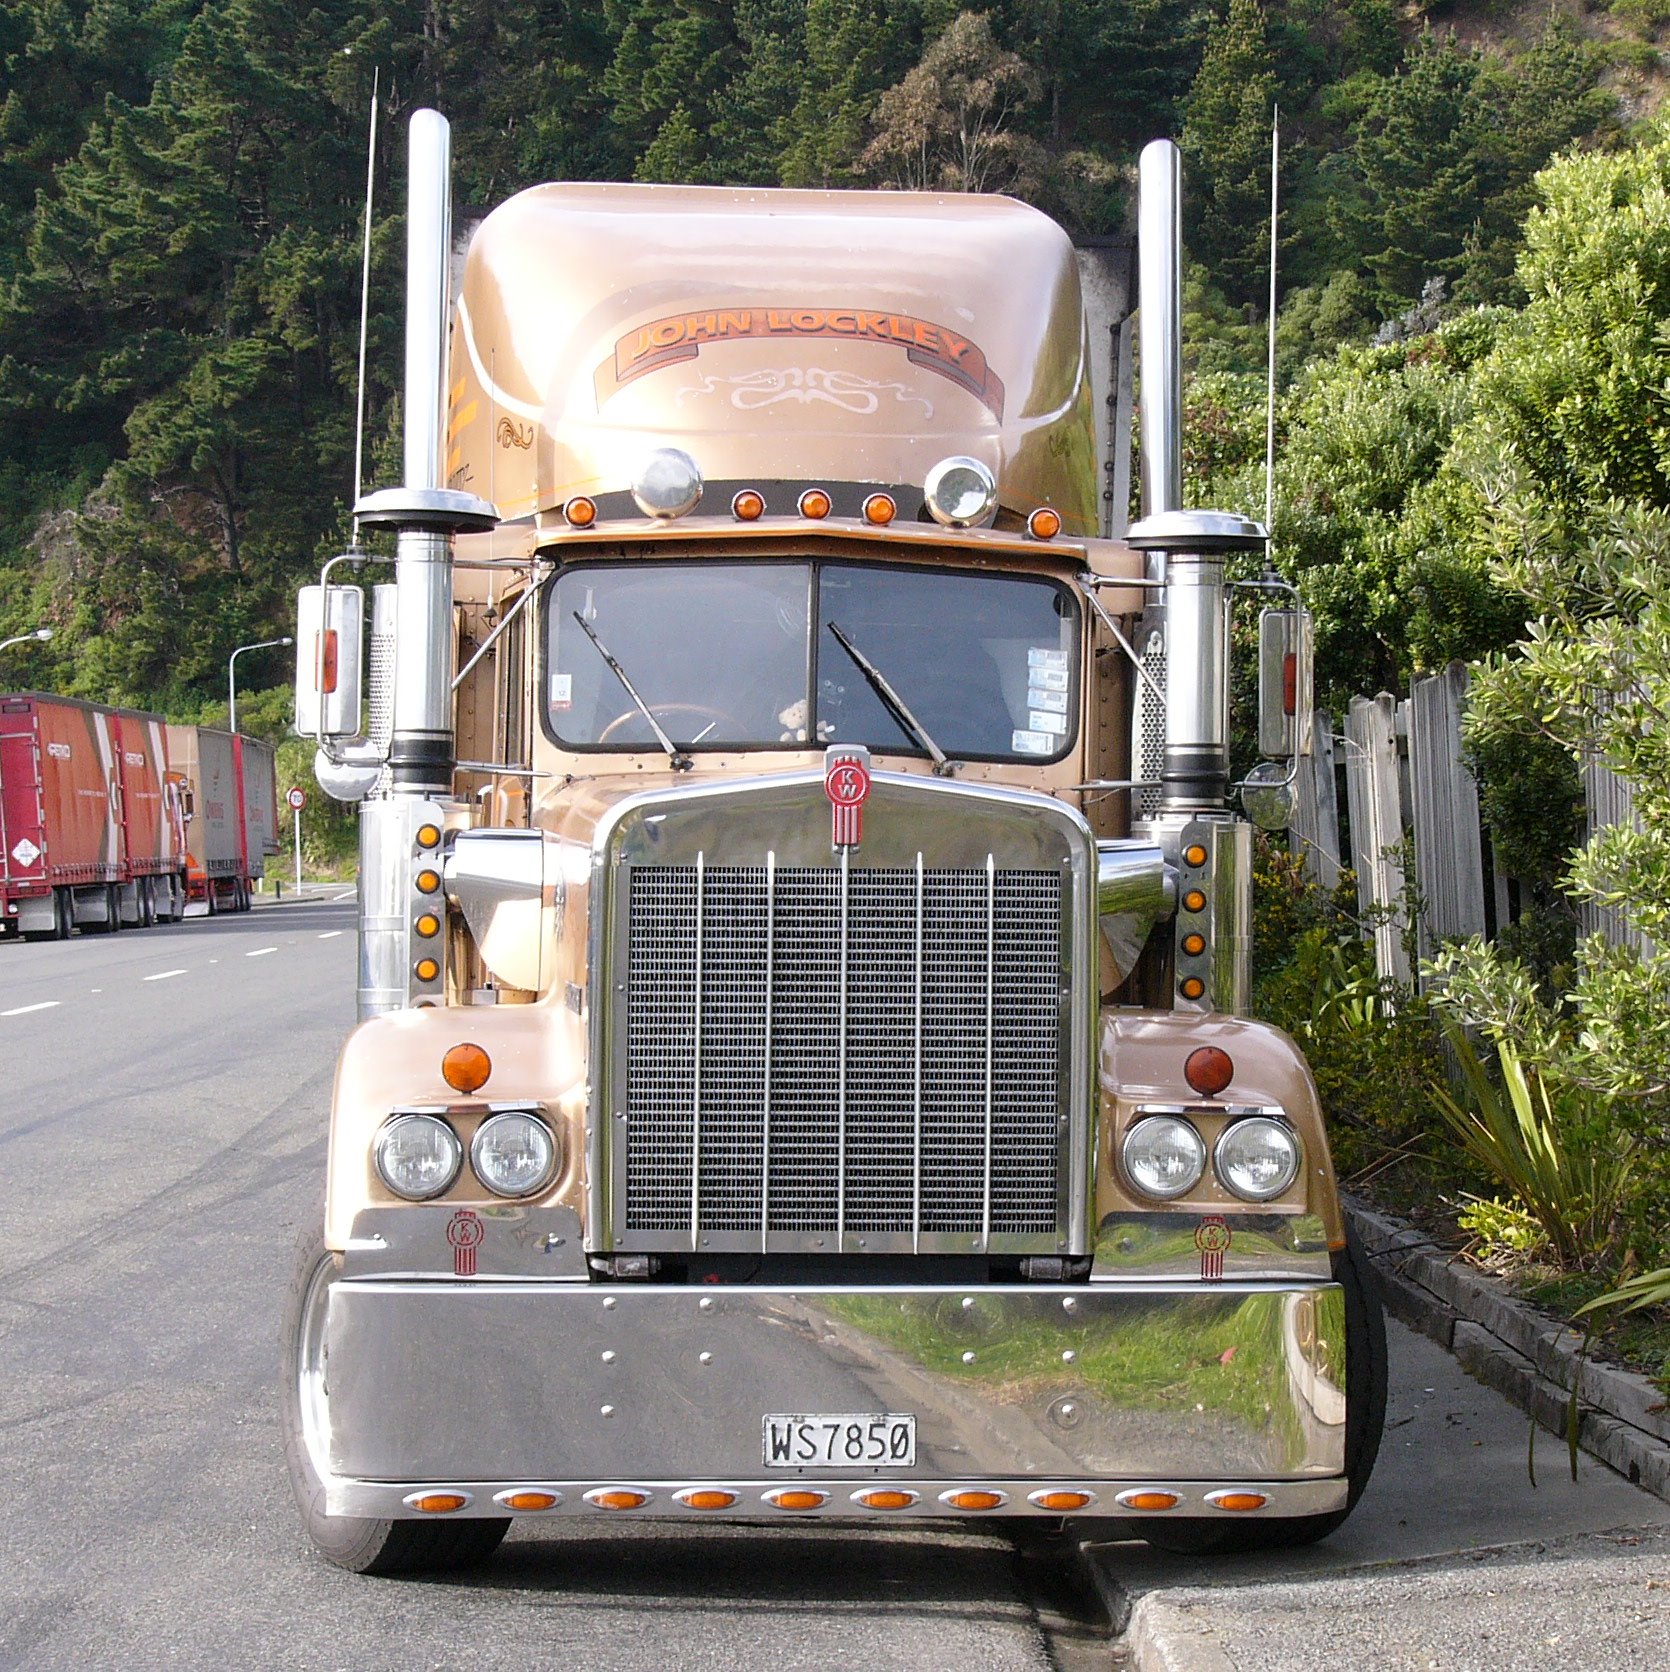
{"x":464,"y":1232}
{"x":1212,"y":1239}
{"x":846,"y":781}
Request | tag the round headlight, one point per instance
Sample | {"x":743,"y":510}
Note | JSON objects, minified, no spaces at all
{"x":667,"y":484}
{"x":1164,"y":1156}
{"x":417,"y":1156}
{"x":960,"y":492}
{"x":1257,"y":1158}
{"x":514,"y":1154}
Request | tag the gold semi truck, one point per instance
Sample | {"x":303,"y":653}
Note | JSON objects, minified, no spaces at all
{"x":803,"y":1069}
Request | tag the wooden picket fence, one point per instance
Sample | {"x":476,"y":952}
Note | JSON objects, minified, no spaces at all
{"x":1412,"y":816}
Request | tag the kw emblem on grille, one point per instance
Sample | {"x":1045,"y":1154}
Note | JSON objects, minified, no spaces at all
{"x":846,"y":781}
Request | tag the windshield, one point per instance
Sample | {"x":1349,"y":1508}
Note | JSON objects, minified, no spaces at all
{"x":725,"y":656}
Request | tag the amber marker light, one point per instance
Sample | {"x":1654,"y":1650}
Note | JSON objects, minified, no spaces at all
{"x":814,"y":503}
{"x":428,"y":882}
{"x":528,"y":1502}
{"x":437,"y":1503}
{"x":884,"y":1497}
{"x":1192,"y":988}
{"x":1044,"y":523}
{"x":974,"y":1500}
{"x":796,"y":1497}
{"x":616,"y":1497}
{"x":1194,"y":900}
{"x":426,"y":969}
{"x":429,"y":925}
{"x":466,"y":1068}
{"x":1209,"y":1070}
{"x":880,"y":509}
{"x":1148,"y":1502}
{"x":706,"y":1497}
{"x":1060,"y":1502}
{"x":1194,"y":945}
{"x":1194,"y":855}
{"x":580,"y":511}
{"x":1239,"y":1502}
{"x":429,"y":836}
{"x":748,"y":506}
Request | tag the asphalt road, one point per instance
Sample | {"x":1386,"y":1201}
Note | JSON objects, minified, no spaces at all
{"x":162,"y":1141}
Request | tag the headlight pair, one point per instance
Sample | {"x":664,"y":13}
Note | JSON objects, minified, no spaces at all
{"x":418,"y":1156}
{"x":1256,"y":1158}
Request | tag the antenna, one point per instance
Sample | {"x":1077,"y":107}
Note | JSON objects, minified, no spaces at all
{"x":1270,"y":370}
{"x":365,"y":301}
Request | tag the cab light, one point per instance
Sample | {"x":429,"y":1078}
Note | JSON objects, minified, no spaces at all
{"x":706,"y":1497}
{"x":1193,"y":988}
{"x":616,"y":1497}
{"x":748,"y":506}
{"x":580,"y":512}
{"x":796,"y":1497}
{"x":1148,"y":1502}
{"x":1239,"y":1502}
{"x":429,"y":925}
{"x":436,"y":1503}
{"x":466,"y":1068}
{"x":973,"y":1500}
{"x":428,"y":882}
{"x":527,"y":1501}
{"x":1044,"y":523}
{"x":1194,"y":900}
{"x":880,"y":509}
{"x":668,"y":484}
{"x":885,"y":1497}
{"x":1061,"y":1503}
{"x":814,"y":503}
{"x":1209,"y":1070}
{"x":1194,"y":945}
{"x":1194,"y":854}
{"x":959,"y":492}
{"x":426,"y":969}
{"x":429,"y":836}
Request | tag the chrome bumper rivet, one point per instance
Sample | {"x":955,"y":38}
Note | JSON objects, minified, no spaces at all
{"x":608,"y":1410}
{"x":968,"y":1358}
{"x":705,"y":1304}
{"x":608,"y":1355}
{"x":1068,"y":1356}
{"x":608,"y":1303}
{"x":704,"y":1358}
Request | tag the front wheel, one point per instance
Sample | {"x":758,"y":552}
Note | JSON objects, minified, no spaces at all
{"x":360,"y":1544}
{"x":1365,"y":1416}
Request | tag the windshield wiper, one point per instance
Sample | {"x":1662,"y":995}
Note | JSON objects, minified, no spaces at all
{"x":894,"y":703}
{"x":681,"y":761}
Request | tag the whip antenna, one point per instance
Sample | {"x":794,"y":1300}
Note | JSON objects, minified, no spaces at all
{"x":365,"y":301}
{"x":1270,"y":370}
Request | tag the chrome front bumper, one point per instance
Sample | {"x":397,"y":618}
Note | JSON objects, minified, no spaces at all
{"x":479,"y":1387}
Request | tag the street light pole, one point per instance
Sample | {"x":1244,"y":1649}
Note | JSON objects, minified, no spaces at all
{"x":232,"y":678}
{"x":41,"y":633}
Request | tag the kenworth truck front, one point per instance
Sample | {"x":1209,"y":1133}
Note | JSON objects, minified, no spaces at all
{"x":801,"y":1069}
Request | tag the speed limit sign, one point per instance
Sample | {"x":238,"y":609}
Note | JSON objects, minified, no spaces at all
{"x":297,"y":799}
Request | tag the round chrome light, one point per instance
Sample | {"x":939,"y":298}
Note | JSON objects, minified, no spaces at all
{"x":960,"y":492}
{"x":1163,"y":1156}
{"x":514,"y":1154}
{"x":417,"y":1156}
{"x":1257,"y":1158}
{"x":667,"y":484}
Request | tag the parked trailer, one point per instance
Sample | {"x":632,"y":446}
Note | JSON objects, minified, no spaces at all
{"x":232,"y":796}
{"x":91,"y":818}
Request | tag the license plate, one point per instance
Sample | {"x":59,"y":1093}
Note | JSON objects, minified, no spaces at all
{"x":859,"y":1440}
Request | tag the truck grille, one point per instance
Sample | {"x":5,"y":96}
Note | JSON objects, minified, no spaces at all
{"x":819,"y":1054}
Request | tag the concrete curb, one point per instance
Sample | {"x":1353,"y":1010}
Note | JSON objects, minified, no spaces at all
{"x":1623,"y":1419}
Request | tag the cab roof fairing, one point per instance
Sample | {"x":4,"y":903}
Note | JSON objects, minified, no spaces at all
{"x":834,"y":336}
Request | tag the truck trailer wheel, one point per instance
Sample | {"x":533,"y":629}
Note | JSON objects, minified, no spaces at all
{"x":360,"y":1544}
{"x":1365,"y":1416}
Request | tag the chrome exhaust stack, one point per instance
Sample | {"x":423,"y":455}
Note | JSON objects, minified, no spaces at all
{"x":400,"y":836}
{"x":1160,"y":323}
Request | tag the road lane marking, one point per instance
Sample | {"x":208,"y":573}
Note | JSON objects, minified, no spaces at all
{"x":337,"y":899}
{"x":163,"y":975}
{"x":330,"y":934}
{"x":25,"y":1009}
{"x":261,"y":952}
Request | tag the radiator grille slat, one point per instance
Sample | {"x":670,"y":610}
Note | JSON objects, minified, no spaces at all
{"x":738,"y":1063}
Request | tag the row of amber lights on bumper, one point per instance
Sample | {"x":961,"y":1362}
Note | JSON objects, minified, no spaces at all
{"x":531,"y":1500}
{"x":815,"y":504}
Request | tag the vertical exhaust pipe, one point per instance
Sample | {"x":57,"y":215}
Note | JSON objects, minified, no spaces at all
{"x":1160,"y":317}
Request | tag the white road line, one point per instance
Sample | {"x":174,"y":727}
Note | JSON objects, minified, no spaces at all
{"x":337,"y":899}
{"x":163,"y":975}
{"x":25,"y":1009}
{"x":261,"y":952}
{"x":330,"y":934}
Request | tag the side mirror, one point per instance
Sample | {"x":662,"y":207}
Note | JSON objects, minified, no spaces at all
{"x":330,"y":627}
{"x":1284,"y":683}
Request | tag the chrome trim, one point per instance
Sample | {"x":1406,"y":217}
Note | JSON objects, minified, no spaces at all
{"x":770,"y":1018}
{"x":1265,"y":1246}
{"x":991,"y":999}
{"x":529,"y":1486}
{"x":1135,"y":888}
{"x":523,"y":1240}
{"x":410,"y":1501}
{"x":379,"y":1499}
{"x":515,"y":1385}
{"x":696,"y":1071}
{"x":916,"y":1073}
{"x":842,"y":1018}
{"x":858,"y":1497}
{"x":511,"y":886}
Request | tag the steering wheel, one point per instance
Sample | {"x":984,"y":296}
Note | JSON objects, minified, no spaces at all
{"x":717,"y":715}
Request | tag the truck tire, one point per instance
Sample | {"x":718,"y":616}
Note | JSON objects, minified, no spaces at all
{"x":147,"y":903}
{"x":360,"y":1544}
{"x":1365,"y":1416}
